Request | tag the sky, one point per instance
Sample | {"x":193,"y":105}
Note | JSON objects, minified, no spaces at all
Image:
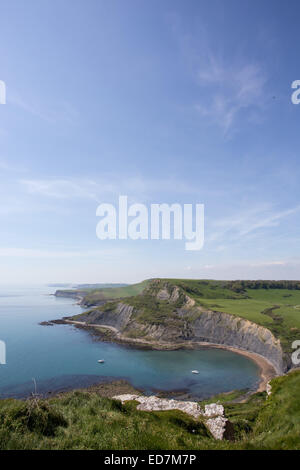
{"x":165,"y":102}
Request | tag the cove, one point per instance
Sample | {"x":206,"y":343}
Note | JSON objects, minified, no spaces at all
{"x":62,"y":356}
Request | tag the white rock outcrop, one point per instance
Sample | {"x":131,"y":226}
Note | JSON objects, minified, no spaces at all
{"x":154,"y":403}
{"x":126,"y":397}
{"x":216,"y":422}
{"x":217,"y":426}
{"x":214,"y":410}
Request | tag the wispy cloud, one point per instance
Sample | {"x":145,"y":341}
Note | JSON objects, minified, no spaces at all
{"x":59,"y":112}
{"x":269,"y":263}
{"x":281,"y":269}
{"x":232,"y":89}
{"x":5,"y":165}
{"x":36,"y":253}
{"x":62,"y":195}
{"x":248,"y":222}
{"x":62,"y":188}
{"x":110,"y":186}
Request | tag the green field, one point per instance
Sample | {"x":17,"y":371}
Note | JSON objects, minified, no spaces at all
{"x":274,"y":307}
{"x":86,"y":420}
{"x":258,"y":307}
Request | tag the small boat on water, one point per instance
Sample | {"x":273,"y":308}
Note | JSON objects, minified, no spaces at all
{"x":101,"y":361}
{"x":195,"y":372}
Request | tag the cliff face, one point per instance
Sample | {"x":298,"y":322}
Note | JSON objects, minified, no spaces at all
{"x":186,"y":322}
{"x":118,"y":317}
{"x":72,"y":294}
{"x":64,"y":293}
{"x":210,"y":327}
{"x":222,"y":328}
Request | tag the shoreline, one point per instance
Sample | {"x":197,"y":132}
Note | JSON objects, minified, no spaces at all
{"x":266,"y":370}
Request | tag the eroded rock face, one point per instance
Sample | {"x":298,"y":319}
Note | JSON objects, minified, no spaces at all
{"x":118,"y":318}
{"x":172,"y":294}
{"x":223,"y":328}
{"x":220,"y":328}
{"x":216,"y":422}
{"x":163,"y":294}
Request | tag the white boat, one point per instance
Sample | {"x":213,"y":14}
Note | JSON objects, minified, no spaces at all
{"x":195,"y":372}
{"x":101,"y":361}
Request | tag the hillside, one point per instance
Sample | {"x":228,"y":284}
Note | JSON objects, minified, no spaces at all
{"x":256,"y":316}
{"x":271,"y":304}
{"x":87,"y":420}
{"x":262,"y":317}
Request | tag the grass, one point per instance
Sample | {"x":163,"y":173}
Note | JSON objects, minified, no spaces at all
{"x":275,"y":309}
{"x":226,"y":397}
{"x":206,"y":289}
{"x":86,"y":420}
{"x":260,"y":423}
{"x":275,"y":306}
{"x":94,"y":296}
{"x":278,"y":422}
{"x":148,"y":309}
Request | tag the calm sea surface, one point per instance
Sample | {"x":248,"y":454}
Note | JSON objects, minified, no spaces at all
{"x":62,"y":356}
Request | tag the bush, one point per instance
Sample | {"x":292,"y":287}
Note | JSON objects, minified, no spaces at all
{"x":34,"y":416}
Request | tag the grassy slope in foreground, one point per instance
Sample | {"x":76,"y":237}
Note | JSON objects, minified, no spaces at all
{"x":85,"y":420}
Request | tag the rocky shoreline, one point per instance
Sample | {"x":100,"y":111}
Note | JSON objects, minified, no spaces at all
{"x":111,"y":334}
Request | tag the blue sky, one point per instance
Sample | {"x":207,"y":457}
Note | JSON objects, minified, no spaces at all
{"x":163,"y":101}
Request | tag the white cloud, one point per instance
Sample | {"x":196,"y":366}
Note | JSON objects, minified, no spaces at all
{"x":269,"y":263}
{"x":109,"y":185}
{"x":59,"y":112}
{"x":272,"y":220}
{"x":233,"y":88}
{"x":11,"y":167}
{"x":248,"y":222}
{"x":62,"y":188}
{"x":277,"y":270}
{"x":36,"y":253}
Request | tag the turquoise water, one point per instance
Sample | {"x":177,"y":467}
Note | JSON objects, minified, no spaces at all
{"x":62,"y":356}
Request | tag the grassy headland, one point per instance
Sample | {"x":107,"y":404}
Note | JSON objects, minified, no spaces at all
{"x":94,"y":296}
{"x":272,"y":304}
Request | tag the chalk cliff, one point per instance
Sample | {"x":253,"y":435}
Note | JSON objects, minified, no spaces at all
{"x":175,"y":318}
